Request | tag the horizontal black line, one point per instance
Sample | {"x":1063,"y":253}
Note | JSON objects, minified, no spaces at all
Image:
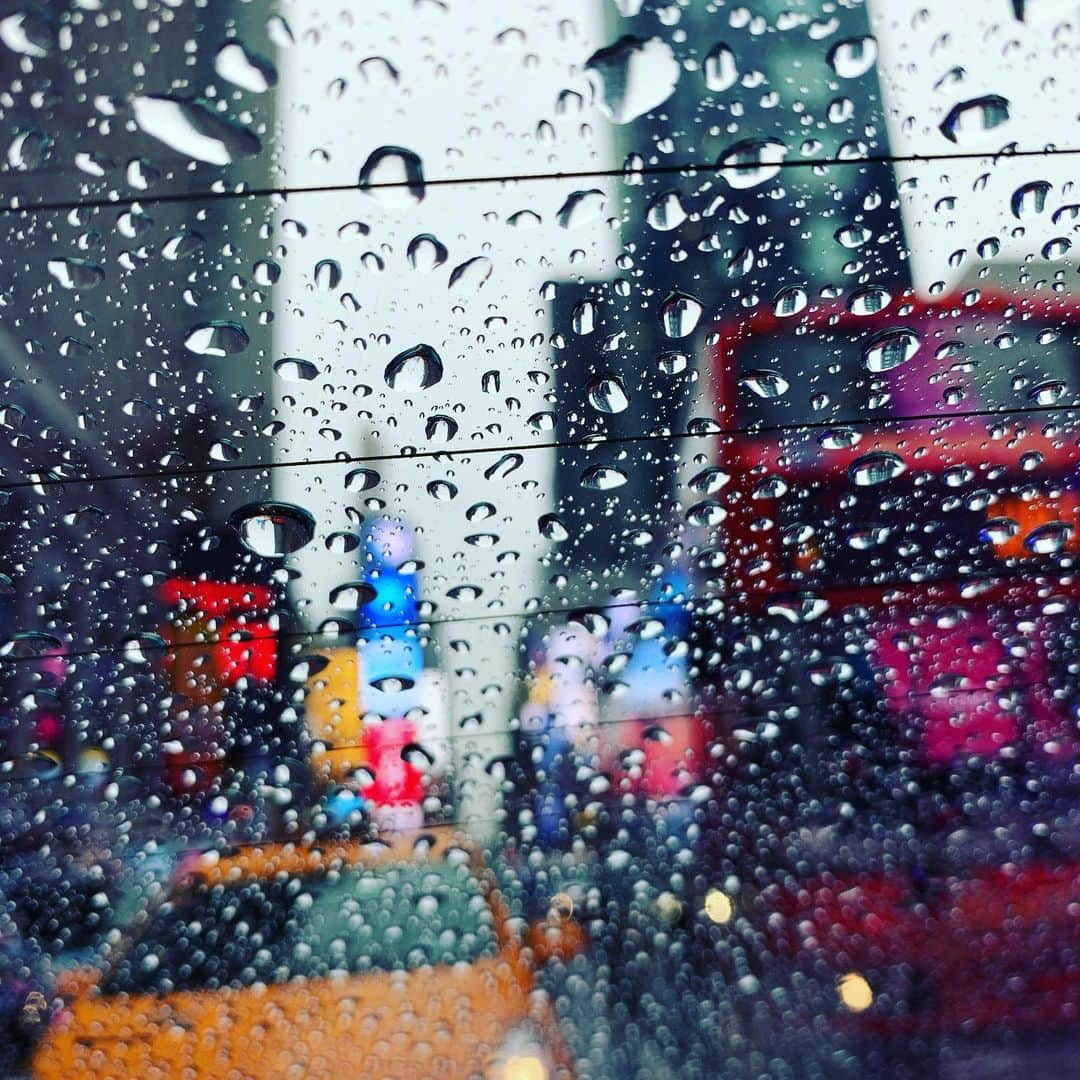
{"x":733,"y":713}
{"x":989,"y":577}
{"x":686,"y":167}
{"x":584,"y":442}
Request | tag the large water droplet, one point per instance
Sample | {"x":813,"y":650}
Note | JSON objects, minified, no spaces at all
{"x":666,"y":211}
{"x":426,"y":253}
{"x":1048,"y":539}
{"x":362,"y":480}
{"x":751,"y":162}
{"x":192,"y":129}
{"x":393,"y":175}
{"x":1048,"y":393}
{"x":414,"y":369}
{"x":967,"y":122}
{"x":679,"y":314}
{"x":853,"y":57}
{"x":607,"y":393}
{"x":76,"y":273}
{"x":352,"y":595}
{"x":720,"y":69}
{"x":28,"y":149}
{"x":471,"y":274}
{"x":869,"y":300}
{"x":876,"y":468}
{"x":294,"y":369}
{"x":790,"y":301}
{"x":1029,"y":200}
{"x":216,"y":339}
{"x":709,"y":481}
{"x":890,"y":349}
{"x":603,"y":478}
{"x":633,"y":76}
{"x":273,"y":529}
{"x":27,"y":33}
{"x":552,"y":528}
{"x":581,"y":207}
{"x":245,"y":69}
{"x":765,"y":383}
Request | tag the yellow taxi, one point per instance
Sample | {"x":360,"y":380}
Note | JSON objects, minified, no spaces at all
{"x":341,"y":960}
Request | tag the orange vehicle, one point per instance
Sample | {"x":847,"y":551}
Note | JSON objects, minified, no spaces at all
{"x":388,"y":959}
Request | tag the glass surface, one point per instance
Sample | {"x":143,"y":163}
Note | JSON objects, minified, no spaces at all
{"x":632,"y":444}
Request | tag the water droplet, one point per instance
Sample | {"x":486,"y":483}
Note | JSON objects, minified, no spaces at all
{"x":853,"y":57}
{"x":603,"y":478}
{"x":679,"y":314}
{"x":765,"y":383}
{"x":632,"y":76}
{"x":76,"y":273}
{"x":414,"y":369}
{"x":184,"y":244}
{"x":142,"y":648}
{"x":890,"y":349}
{"x":1048,"y":393}
{"x":706,"y":513}
{"x":524,"y":219}
{"x":273,"y":529}
{"x":672,"y":363}
{"x":394,"y":176}
{"x":583,"y":317}
{"x":709,"y":481}
{"x":502,"y":468}
{"x":751,"y":162}
{"x":293,"y":369}
{"x":440,"y":428}
{"x":378,"y":70}
{"x":852,"y":236}
{"x":443,"y":490}
{"x":352,"y":595}
{"x":1048,"y":539}
{"x":471,"y":274}
{"x":279,"y":32}
{"x":719,"y":68}
{"x":770,"y":487}
{"x":216,"y":339}
{"x":327,"y":275}
{"x":967,"y":122}
{"x":27,"y":33}
{"x":425,"y":252}
{"x":341,"y":543}
{"x":267,"y":272}
{"x":790,"y":301}
{"x":553,"y":528}
{"x":1057,"y":248}
{"x":581,"y":207}
{"x":999,"y":530}
{"x":362,"y":480}
{"x":876,"y":468}
{"x":839,"y":439}
{"x":192,"y":129}
{"x":1029,"y":200}
{"x":245,"y":69}
{"x":607,"y":393}
{"x":666,"y":211}
{"x":869,"y":300}
{"x":28,"y":149}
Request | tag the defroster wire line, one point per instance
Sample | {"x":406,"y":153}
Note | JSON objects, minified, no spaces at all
{"x":584,"y":442}
{"x":242,"y":191}
{"x":135,"y":639}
